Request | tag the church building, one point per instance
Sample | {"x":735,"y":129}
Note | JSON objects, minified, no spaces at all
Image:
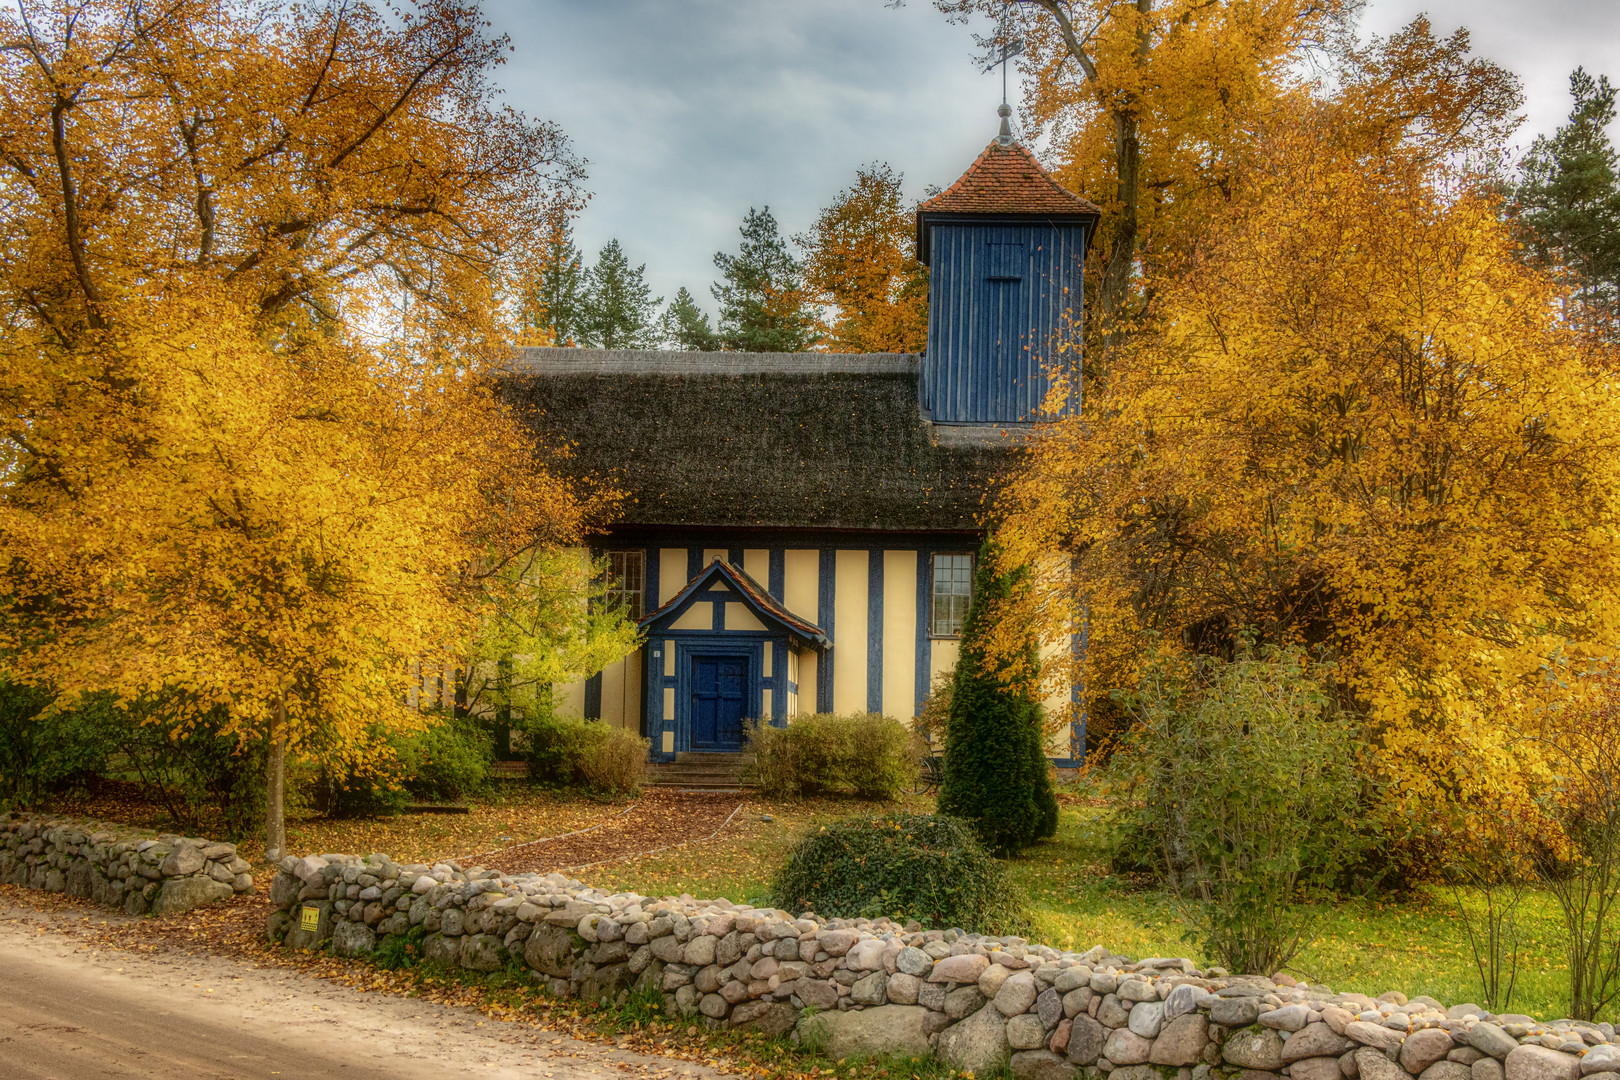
{"x":799,"y":529}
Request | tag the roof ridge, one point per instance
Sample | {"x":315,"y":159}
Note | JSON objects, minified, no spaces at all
{"x":1000,"y":194}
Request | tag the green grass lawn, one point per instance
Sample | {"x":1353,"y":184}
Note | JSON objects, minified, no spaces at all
{"x":1417,"y":946}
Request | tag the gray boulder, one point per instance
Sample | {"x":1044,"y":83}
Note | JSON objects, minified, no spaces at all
{"x":297,"y":936}
{"x":1541,"y":1063}
{"x":1086,"y":1039}
{"x":1374,"y":1064}
{"x":1040,"y":1065}
{"x":352,"y":939}
{"x":1318,"y":1040}
{"x":887,"y":1029}
{"x":1423,"y":1048}
{"x":1490,"y":1039}
{"x":977,"y":1044}
{"x":1254,"y":1048}
{"x":1026,"y":1032}
{"x":549,"y":949}
{"x":183,"y":894}
{"x":439,"y":949}
{"x":482,"y":952}
{"x":771,"y":1018}
{"x":1181,"y":1041}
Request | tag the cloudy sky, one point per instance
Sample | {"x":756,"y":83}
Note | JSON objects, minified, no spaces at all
{"x":690,"y":112}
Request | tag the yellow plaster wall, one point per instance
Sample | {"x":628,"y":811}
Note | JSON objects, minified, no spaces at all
{"x":571,"y":699}
{"x":801,"y":583}
{"x":740,"y":616}
{"x":757,"y":565}
{"x":849,"y":631}
{"x":700,"y":616}
{"x":621,"y":692}
{"x":809,"y":663}
{"x":900,"y":634}
{"x":942,"y":654}
{"x":711,"y":554}
{"x":671,"y":573}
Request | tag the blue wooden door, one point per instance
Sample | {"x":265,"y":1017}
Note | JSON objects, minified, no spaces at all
{"x":719,"y":702}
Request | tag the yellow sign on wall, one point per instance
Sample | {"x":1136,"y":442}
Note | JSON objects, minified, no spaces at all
{"x":309,"y":918}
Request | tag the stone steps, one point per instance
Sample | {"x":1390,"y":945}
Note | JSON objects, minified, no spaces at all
{"x":698,"y":771}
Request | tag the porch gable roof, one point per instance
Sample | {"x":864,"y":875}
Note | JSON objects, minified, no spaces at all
{"x":753,"y":594}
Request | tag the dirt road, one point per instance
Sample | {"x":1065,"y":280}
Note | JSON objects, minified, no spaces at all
{"x":74,"y":1010}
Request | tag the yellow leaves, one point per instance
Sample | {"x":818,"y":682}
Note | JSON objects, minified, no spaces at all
{"x":859,"y":262}
{"x":1363,"y":428}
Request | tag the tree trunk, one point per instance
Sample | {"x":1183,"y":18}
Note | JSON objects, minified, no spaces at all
{"x":275,"y":823}
{"x":1115,"y":290}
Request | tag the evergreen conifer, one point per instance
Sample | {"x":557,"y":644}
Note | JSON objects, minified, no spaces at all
{"x":763,"y":304}
{"x":996,"y":775}
{"x":554,"y":300}
{"x":618,"y":309}
{"x":686,"y":326}
{"x":1569,"y":200}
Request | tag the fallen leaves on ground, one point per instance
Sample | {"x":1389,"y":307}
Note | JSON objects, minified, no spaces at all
{"x":661,"y":819}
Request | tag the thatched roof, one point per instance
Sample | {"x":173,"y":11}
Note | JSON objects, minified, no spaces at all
{"x":804,"y":440}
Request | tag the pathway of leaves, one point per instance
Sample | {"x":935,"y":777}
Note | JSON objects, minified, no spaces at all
{"x":660,"y":820}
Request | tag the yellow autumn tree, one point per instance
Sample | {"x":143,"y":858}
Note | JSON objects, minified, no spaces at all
{"x":1148,"y":106}
{"x":253,"y":458}
{"x":861,"y":264}
{"x":1360,"y":426}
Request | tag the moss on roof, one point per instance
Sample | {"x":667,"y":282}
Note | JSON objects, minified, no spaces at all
{"x":775,"y":440}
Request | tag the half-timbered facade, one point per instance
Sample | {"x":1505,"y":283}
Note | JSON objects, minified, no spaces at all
{"x":799,"y":530}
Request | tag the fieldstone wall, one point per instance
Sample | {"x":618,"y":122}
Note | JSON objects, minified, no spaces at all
{"x":873,"y":986}
{"x":133,"y":870}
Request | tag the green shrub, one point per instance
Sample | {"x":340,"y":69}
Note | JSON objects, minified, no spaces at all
{"x":446,"y":761}
{"x":866,"y":754}
{"x":584,"y":753}
{"x":907,"y":866}
{"x":996,"y":774}
{"x":1239,"y":785}
{"x":614,"y":764}
{"x":205,"y":780}
{"x":449,"y":760}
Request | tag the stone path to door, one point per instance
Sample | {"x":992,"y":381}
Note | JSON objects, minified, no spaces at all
{"x":659,"y":820}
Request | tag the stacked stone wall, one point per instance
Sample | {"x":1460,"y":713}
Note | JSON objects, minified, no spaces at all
{"x":131,"y":870}
{"x":875,"y":986}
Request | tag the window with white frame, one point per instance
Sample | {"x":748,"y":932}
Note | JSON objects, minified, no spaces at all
{"x":625,"y":583}
{"x":953,"y":587}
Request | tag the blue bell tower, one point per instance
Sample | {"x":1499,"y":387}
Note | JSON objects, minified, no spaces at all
{"x":1006,"y":247}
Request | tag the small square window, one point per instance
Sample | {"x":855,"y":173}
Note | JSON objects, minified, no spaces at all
{"x":953,"y":588}
{"x":1006,"y":261}
{"x":626,"y":573}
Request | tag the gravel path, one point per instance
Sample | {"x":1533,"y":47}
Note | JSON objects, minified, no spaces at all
{"x":72,"y":1008}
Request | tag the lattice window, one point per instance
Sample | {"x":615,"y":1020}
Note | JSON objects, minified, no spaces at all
{"x":626,"y":580}
{"x":953,"y":588}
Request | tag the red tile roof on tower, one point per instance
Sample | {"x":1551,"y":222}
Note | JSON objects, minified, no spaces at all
{"x":1007,"y":180}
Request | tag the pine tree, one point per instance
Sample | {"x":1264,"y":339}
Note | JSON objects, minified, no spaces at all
{"x":618,"y":309}
{"x":554,"y":300}
{"x":995,"y":764}
{"x":686,"y":326}
{"x":763,"y":304}
{"x":1569,"y":200}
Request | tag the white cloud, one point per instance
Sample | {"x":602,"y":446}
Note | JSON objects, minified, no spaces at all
{"x":692,"y":112}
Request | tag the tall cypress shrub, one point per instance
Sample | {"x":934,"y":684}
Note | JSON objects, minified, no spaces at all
{"x":995,"y":764}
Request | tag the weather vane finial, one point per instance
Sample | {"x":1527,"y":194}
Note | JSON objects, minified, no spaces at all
{"x":1008,"y":45}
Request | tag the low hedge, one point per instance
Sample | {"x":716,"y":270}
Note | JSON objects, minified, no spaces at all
{"x":905,"y":866}
{"x":585,"y":753}
{"x":863,"y":754}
